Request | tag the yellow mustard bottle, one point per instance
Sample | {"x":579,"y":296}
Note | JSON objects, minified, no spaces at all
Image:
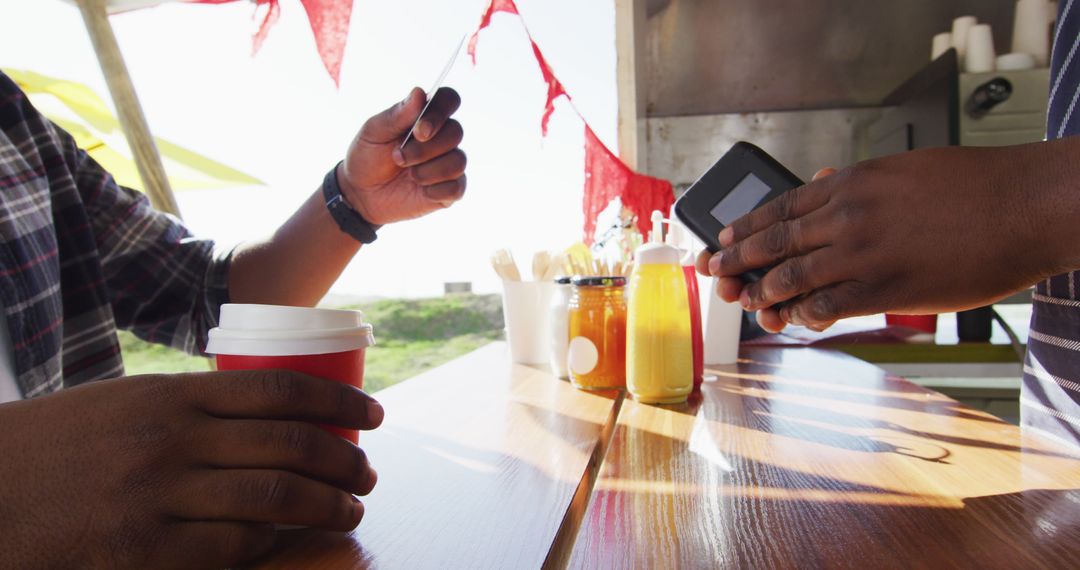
{"x":659,"y":346}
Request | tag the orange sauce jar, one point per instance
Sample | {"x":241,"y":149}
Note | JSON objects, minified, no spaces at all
{"x":597,"y":355}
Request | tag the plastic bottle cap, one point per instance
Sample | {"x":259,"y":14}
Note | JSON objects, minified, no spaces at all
{"x":657,"y":234}
{"x":656,"y":251}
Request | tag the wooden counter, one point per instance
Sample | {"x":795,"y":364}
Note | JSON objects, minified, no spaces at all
{"x":805,"y":458}
{"x":478,"y":461}
{"x":794,"y":457}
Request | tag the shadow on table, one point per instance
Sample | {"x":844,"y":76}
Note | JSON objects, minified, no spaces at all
{"x":1033,"y":528}
{"x":797,"y":420}
{"x":844,"y":393}
{"x":773,"y":411}
{"x":638,"y":458}
{"x":758,"y":417}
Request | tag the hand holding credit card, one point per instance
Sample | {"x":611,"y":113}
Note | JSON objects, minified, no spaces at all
{"x":389,"y":175}
{"x":435,"y":88}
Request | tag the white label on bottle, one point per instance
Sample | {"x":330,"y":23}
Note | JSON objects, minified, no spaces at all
{"x":583,"y":356}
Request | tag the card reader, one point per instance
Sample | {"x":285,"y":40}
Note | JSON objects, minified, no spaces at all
{"x":742,"y":180}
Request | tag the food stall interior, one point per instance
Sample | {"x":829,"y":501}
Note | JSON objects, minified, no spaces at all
{"x":828,"y":83}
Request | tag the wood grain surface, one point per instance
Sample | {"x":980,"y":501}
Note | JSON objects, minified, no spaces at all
{"x":808,"y":458}
{"x":479,"y":464}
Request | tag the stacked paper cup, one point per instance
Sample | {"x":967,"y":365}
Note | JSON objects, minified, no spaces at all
{"x":974,"y":42}
{"x":960,"y":28}
{"x":1031,"y":29}
{"x":942,"y":42}
{"x":980,"y":55}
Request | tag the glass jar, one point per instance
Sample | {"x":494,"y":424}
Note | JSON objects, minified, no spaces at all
{"x":597,"y":314}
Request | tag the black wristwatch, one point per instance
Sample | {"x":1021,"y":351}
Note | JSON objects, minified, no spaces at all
{"x":349,"y":220}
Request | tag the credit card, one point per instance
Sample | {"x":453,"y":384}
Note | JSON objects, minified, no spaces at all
{"x":434,"y":88}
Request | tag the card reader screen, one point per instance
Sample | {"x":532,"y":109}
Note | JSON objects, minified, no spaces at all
{"x":746,"y":194}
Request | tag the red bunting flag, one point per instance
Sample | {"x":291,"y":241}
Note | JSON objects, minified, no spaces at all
{"x":607,"y":178}
{"x":555,"y":87}
{"x":494,"y":6}
{"x":329,"y":22}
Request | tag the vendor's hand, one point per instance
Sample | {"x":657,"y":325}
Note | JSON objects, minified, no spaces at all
{"x":177,"y":471}
{"x":386,"y":184}
{"x":921,"y":232}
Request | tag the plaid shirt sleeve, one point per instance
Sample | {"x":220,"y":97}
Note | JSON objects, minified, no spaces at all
{"x":163,"y":284}
{"x":81,"y":256}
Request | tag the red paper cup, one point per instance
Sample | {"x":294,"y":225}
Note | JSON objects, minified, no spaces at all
{"x":924,"y":323}
{"x":325,"y":343}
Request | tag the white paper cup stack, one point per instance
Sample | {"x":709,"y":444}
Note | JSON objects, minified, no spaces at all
{"x":980,"y":57}
{"x":1031,"y":29}
{"x":941,"y":44}
{"x":960,"y":27}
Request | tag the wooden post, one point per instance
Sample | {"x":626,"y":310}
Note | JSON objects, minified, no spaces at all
{"x":132,"y":120}
{"x":630,"y":58}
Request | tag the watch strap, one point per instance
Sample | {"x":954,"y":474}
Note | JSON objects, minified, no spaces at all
{"x":348,"y":219}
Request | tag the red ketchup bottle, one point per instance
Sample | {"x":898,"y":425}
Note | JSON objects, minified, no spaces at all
{"x":675,"y":234}
{"x":695,"y":324}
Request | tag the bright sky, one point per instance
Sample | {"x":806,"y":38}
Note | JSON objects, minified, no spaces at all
{"x":278,"y":116}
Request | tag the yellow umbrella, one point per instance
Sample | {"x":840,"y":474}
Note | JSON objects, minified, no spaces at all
{"x":97,"y":131}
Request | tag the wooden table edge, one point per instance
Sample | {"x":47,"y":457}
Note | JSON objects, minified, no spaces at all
{"x":566,"y":537}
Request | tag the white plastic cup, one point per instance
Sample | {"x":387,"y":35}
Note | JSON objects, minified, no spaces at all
{"x":960,"y":27}
{"x":526,"y":308}
{"x":941,"y":44}
{"x":981,"y":56}
{"x":1031,"y":29}
{"x":722,"y":325}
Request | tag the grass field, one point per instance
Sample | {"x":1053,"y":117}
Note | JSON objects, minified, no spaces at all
{"x":412,"y":335}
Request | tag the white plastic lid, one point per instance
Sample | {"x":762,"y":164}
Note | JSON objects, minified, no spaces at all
{"x":272,"y":330}
{"x":657,"y":253}
{"x":1015,"y":61}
